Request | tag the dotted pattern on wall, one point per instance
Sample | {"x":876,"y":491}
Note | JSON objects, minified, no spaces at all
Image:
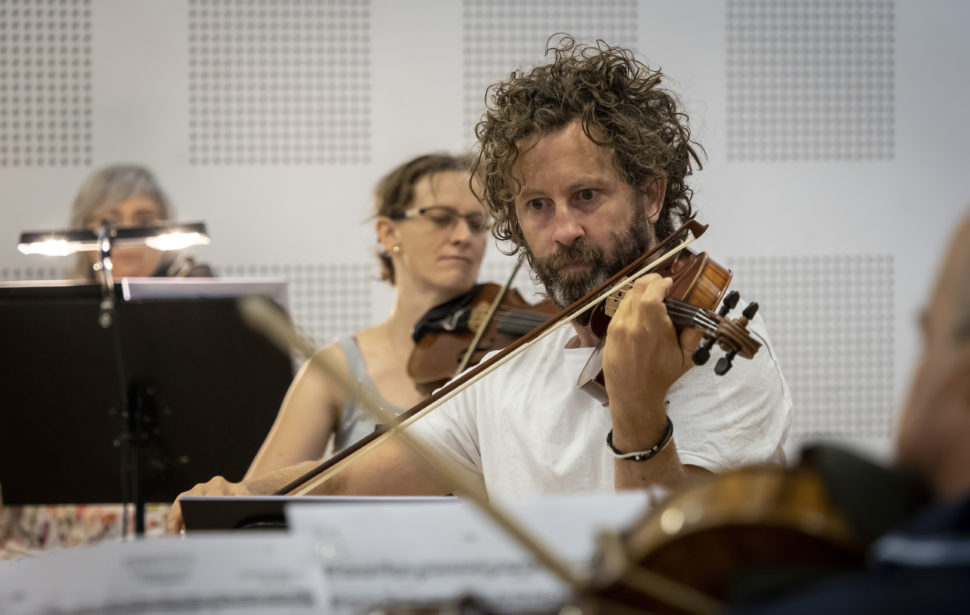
{"x":502,"y":35}
{"x":45,"y":83}
{"x":279,"y":82}
{"x":810,"y":81}
{"x":326,"y":300}
{"x":17,"y":274}
{"x":831,"y":324}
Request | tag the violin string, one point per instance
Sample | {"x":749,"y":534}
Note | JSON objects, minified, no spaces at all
{"x":699,"y":312}
{"x":523,"y":318}
{"x":691,"y":313}
{"x":690,"y":323}
{"x":693,"y":318}
{"x":688,"y":314}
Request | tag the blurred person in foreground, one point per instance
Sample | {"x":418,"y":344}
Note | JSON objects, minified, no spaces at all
{"x":924,"y":565}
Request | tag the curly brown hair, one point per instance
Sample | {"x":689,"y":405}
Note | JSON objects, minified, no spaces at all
{"x":621,"y":106}
{"x":394,"y":193}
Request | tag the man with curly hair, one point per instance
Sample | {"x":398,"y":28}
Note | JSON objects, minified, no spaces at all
{"x":583,"y":165}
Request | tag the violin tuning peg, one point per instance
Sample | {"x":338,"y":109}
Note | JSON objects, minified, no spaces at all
{"x":729,"y":302}
{"x":724,"y":363}
{"x":703,"y":352}
{"x":750,"y":310}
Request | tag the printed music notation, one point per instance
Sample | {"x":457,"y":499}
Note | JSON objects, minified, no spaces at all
{"x":432,"y":553}
{"x":238,"y":573}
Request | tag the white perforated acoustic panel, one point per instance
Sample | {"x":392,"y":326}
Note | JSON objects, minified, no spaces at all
{"x":498,"y":272}
{"x":830,"y":319}
{"x":45,"y":83}
{"x":17,"y":274}
{"x":326,"y":300}
{"x":279,"y":82}
{"x":810,"y":81}
{"x":502,"y":35}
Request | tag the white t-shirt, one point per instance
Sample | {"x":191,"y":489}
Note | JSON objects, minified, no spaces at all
{"x":527,"y":428}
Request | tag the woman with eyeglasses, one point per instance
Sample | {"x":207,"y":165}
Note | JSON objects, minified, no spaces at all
{"x":128,"y":195}
{"x":432,"y":231}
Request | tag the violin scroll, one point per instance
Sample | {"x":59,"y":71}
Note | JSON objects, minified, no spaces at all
{"x":724,"y":363}
{"x":703,"y":351}
{"x":731,"y":335}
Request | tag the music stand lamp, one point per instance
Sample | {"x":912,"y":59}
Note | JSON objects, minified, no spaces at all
{"x":164,"y":237}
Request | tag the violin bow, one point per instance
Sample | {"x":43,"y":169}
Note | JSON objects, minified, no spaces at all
{"x":335,"y":464}
{"x":263,"y":316}
{"x":278,"y":328}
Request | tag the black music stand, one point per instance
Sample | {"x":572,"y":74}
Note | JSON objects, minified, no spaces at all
{"x":268,"y":512}
{"x":206,"y":388}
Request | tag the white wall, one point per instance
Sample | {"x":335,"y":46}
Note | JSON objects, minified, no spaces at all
{"x":896,"y":210}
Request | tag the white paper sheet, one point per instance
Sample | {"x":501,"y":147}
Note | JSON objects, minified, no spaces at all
{"x":428,"y":553}
{"x":275,"y":574}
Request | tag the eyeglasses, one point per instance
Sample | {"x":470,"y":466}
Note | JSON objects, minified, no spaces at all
{"x":443,"y":217}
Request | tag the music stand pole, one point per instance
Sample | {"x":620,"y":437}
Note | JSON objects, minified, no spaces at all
{"x":131,"y":432}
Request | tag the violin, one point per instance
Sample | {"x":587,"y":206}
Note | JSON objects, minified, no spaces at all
{"x":753,"y":533}
{"x":758,"y":520}
{"x":458,"y":333}
{"x":699,"y":283}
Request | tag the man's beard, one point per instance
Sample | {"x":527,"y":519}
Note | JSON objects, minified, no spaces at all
{"x":566,"y":288}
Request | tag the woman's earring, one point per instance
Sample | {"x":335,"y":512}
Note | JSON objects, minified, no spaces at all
{"x":396,"y":249}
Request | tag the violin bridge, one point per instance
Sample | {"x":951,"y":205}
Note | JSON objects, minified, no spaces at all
{"x":612,"y":303}
{"x":477,"y":317}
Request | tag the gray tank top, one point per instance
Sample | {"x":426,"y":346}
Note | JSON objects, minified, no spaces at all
{"x":354,"y":423}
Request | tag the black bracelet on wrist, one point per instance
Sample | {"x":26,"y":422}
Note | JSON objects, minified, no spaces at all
{"x":665,"y":439}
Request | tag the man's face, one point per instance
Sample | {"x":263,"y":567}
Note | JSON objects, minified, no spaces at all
{"x":580,"y":221}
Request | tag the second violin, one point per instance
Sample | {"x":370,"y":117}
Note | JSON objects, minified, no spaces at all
{"x":445,"y":336}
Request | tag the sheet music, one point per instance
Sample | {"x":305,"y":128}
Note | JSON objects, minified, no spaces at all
{"x":276,"y":574}
{"x":417,"y":554}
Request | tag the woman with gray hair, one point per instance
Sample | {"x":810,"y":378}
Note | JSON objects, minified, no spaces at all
{"x":128,"y":195}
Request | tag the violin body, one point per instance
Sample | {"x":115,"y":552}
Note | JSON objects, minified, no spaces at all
{"x":731,"y":535}
{"x":697,"y":281}
{"x":443,"y":336}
